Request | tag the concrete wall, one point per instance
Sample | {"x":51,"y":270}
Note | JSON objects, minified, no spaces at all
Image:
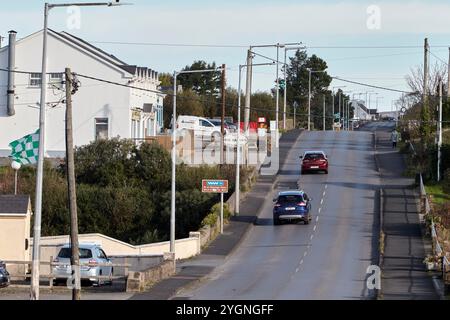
{"x":138,"y":281}
{"x":184,"y":248}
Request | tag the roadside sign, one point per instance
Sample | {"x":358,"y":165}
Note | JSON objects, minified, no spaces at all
{"x":215,"y":186}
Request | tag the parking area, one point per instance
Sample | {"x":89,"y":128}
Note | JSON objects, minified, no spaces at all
{"x":116,"y":291}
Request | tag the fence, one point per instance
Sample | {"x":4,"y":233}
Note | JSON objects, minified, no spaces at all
{"x":438,"y":252}
{"x":51,"y":276}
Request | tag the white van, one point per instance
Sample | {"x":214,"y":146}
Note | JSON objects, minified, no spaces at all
{"x":201,"y":127}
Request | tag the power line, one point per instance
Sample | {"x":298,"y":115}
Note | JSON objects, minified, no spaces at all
{"x":437,"y":57}
{"x":172,"y":44}
{"x":372,"y":86}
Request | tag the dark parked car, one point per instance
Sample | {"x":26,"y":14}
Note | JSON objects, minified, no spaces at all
{"x":314,"y":161}
{"x":292,"y":205}
{"x":4,"y":275}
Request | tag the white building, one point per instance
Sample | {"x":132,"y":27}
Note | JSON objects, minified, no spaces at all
{"x":100,"y":110}
{"x":360,"y":111}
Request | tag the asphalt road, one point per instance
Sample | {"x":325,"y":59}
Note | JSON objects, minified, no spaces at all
{"x":326,"y":259}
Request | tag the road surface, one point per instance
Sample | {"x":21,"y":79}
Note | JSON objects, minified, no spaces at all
{"x":326,"y":259}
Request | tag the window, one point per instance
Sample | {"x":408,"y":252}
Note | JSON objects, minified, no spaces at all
{"x":101,"y":128}
{"x":35,"y":80}
{"x":67,"y":253}
{"x":205,"y":123}
{"x":290,"y":199}
{"x":102,"y":254}
{"x":55,"y":80}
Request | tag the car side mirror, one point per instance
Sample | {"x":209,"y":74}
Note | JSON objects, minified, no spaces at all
{"x":301,"y":157}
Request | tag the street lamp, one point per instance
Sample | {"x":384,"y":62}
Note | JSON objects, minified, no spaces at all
{"x":174,"y":145}
{"x":16,"y":166}
{"x":309,"y":95}
{"x":339,"y":102}
{"x":34,"y":289}
{"x":238,"y":151}
{"x":249,"y":77}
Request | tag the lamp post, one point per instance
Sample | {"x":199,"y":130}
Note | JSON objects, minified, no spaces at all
{"x":339,"y":103}
{"x":250,"y":54}
{"x":174,"y":146}
{"x":35,"y":275}
{"x":16,"y":166}
{"x":238,"y":147}
{"x":309,"y":95}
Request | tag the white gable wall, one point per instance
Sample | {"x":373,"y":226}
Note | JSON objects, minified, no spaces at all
{"x":93,"y":100}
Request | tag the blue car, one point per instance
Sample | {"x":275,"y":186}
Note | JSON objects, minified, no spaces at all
{"x":293,"y":205}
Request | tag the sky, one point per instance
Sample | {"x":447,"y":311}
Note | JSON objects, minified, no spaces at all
{"x":344,"y":33}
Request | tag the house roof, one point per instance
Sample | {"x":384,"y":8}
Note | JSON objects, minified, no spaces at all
{"x":95,"y":51}
{"x":12,"y":204}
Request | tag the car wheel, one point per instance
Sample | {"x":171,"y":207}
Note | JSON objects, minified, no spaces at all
{"x":326,"y":171}
{"x":276,"y":222}
{"x":306,"y":221}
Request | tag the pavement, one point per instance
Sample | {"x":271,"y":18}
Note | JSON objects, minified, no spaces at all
{"x":191,"y":271}
{"x":404,"y":275}
{"x":326,"y":259}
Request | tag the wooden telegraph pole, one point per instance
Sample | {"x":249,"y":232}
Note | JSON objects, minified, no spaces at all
{"x":72,"y":196}
{"x":222,"y":144}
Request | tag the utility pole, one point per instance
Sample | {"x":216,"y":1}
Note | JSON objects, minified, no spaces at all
{"x":277,"y":102}
{"x":285,"y":90}
{"x":248,"y":92}
{"x":425,"y":73}
{"x":340,"y":98}
{"x":72,"y":194}
{"x":222,"y":154}
{"x":439,"y":132}
{"x":324,"y":109}
{"x":448,"y":76}
{"x":309,"y":100}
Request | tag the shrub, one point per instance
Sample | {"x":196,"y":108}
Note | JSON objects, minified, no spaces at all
{"x":446,"y":181}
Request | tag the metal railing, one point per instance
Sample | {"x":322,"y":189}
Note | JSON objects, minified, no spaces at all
{"x":440,"y":254}
{"x":51,"y":276}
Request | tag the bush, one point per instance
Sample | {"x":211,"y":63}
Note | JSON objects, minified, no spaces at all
{"x":213,"y":216}
{"x":446,"y":182}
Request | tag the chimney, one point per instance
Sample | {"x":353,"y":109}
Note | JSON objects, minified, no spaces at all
{"x":11,"y":75}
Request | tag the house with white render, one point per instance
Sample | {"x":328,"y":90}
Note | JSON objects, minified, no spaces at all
{"x":101,"y":110}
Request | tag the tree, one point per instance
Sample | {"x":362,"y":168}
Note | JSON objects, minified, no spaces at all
{"x":204,"y":83}
{"x":166,"y":80}
{"x":188,"y":103}
{"x":298,"y":84}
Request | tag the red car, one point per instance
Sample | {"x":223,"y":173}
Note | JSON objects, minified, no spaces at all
{"x":314,"y":161}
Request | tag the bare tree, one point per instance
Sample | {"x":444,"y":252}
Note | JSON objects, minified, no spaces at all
{"x":415,"y":79}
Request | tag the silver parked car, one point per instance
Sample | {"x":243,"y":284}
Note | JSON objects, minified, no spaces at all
{"x":93,"y":262}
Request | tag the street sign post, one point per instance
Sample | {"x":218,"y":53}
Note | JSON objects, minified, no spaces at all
{"x":216,"y":186}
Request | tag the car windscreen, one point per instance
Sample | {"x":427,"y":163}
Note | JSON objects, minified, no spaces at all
{"x":314,"y":156}
{"x":67,"y":253}
{"x":290,"y":199}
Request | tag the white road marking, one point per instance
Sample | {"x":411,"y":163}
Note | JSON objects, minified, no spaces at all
{"x":324,"y":193}
{"x":321,"y":201}
{"x":317,"y":218}
{"x":326,"y":186}
{"x":315,"y":227}
{"x":297,"y":270}
{"x":301,"y":261}
{"x":312,"y":236}
{"x":319,"y":209}
{"x":306,"y":252}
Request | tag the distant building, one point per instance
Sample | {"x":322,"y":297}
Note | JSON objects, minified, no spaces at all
{"x":100,"y":110}
{"x":360,"y":111}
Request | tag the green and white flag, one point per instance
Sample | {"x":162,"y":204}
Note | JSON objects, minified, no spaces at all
{"x":26,"y":149}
